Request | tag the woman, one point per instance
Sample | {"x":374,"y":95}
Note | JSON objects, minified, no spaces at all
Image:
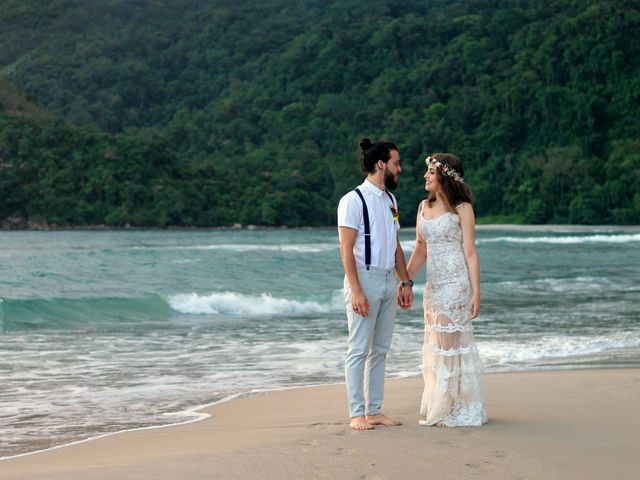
{"x":452,"y":369}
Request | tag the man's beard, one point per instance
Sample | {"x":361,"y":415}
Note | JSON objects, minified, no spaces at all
{"x":389,"y":180}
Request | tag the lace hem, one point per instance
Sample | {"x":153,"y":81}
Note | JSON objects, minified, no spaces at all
{"x":468,"y":415}
{"x":451,"y":328}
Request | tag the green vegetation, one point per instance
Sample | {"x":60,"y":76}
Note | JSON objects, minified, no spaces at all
{"x":209,"y":113}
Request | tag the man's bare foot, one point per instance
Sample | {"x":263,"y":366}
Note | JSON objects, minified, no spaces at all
{"x":381,"y":419}
{"x":359,"y":423}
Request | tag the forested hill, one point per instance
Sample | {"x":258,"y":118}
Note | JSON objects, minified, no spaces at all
{"x":210,"y":113}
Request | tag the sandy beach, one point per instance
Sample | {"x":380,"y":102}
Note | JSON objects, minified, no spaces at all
{"x":580,"y":424}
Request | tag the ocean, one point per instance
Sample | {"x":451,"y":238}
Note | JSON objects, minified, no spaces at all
{"x":104,"y":331}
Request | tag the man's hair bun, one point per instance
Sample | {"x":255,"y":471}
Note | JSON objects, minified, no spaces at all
{"x":365,"y":144}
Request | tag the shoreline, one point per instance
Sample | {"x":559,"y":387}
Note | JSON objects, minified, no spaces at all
{"x":241,"y":228}
{"x":196,"y":410}
{"x":202,"y":414}
{"x":541,"y":425}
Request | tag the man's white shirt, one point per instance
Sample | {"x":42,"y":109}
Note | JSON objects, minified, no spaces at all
{"x":381,"y":224}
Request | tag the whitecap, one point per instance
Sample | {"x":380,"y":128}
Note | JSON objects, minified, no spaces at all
{"x":231,"y":303}
{"x":625,"y":238}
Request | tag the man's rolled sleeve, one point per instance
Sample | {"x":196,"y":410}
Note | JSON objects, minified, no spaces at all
{"x":349,"y":212}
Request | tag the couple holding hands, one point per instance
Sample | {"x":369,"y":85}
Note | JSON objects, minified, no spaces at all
{"x":372,"y":257}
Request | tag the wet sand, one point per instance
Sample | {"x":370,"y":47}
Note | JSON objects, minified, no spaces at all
{"x":542,"y":425}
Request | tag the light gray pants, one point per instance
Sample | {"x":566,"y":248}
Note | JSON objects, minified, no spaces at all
{"x":369,"y":340}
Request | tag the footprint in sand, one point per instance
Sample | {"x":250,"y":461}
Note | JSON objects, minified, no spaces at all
{"x":324,"y":424}
{"x":444,"y":443}
{"x":480,"y":464}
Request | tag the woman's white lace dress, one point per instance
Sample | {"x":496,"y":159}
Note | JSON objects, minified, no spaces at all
{"x":452,"y":369}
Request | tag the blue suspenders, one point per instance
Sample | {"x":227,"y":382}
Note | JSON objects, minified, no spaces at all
{"x":367,"y":231}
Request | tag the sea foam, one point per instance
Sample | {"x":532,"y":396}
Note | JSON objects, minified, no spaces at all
{"x":409,"y":245}
{"x":554,"y":348}
{"x":248,"y":247}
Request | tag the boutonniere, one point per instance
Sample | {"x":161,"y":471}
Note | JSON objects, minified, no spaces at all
{"x":395,"y":213}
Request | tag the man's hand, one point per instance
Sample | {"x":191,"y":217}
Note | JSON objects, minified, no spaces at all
{"x":359,"y":303}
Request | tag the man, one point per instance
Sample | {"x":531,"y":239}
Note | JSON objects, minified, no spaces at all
{"x":371,"y":252}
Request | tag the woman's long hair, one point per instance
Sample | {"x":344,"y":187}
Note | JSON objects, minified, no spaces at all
{"x":454,"y":192}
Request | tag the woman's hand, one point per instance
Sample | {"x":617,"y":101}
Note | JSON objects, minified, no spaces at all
{"x":474,"y":309}
{"x":405,"y":296}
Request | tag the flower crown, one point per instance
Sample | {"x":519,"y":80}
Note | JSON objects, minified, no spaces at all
{"x":444,"y":168}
